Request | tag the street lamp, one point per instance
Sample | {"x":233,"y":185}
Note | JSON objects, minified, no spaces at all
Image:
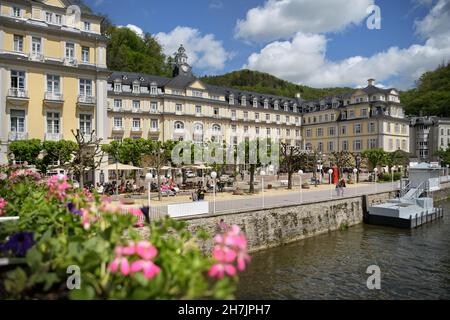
{"x":330,"y":172}
{"x":148,"y":179}
{"x":300,"y":173}
{"x":262,"y":173}
{"x":355,"y":171}
{"x":375,"y":173}
{"x":214,"y":176}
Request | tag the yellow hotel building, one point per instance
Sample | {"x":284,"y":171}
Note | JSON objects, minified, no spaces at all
{"x":54,"y":79}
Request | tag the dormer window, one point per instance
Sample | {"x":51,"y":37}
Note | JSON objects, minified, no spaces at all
{"x":295,"y":108}
{"x":196,"y":93}
{"x":87,"y":26}
{"x":255,"y":102}
{"x":266,"y":104}
{"x":117,"y":87}
{"x":58,"y":19}
{"x":136,"y":88}
{"x":153,"y":89}
{"x":286,"y":107}
{"x":275,"y":105}
{"x":16,"y":12}
{"x":243,"y":101}
{"x":231,"y":98}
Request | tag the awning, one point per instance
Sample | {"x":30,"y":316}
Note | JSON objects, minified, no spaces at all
{"x":201,"y":167}
{"x":122,"y":167}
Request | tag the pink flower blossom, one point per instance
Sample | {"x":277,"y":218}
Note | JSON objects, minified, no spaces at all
{"x":122,"y":264}
{"x":219,"y":270}
{"x":3,"y":204}
{"x":145,"y":250}
{"x":150,"y":270}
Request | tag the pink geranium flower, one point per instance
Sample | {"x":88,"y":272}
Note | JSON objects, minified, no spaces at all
{"x":149,"y":269}
{"x":122,"y":264}
{"x":145,"y":250}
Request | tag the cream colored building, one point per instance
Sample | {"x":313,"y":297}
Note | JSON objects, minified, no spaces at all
{"x":53,"y":72}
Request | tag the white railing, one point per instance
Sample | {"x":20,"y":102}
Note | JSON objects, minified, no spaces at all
{"x":154,"y":129}
{"x":53,"y":136}
{"x":15,"y":136}
{"x":36,"y":57}
{"x":18,"y":93}
{"x":86,"y":99}
{"x":118,"y":128}
{"x":53,"y":96}
{"x":136,"y":129}
{"x":70,"y":62}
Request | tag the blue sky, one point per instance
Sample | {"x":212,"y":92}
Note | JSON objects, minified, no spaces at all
{"x":315,"y":42}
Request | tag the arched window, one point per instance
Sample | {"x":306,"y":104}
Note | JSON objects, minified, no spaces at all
{"x":198,"y":127}
{"x":216,"y":128}
{"x":179,"y":125}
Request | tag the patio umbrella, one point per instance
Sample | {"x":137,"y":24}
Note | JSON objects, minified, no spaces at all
{"x":122,"y":167}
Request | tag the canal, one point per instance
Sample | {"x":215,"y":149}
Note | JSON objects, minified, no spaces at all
{"x":414,"y":264}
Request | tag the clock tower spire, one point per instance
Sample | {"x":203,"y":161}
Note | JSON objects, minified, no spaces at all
{"x":181,"y":65}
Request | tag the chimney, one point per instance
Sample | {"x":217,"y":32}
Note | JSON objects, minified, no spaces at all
{"x":371,"y":82}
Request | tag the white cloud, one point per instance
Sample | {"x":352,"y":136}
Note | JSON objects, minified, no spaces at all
{"x":135,"y":29}
{"x":303,"y":58}
{"x":284,"y":18}
{"x":204,"y":51}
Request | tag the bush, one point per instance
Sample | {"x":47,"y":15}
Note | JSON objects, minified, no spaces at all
{"x":63,"y":230}
{"x":387,"y":177}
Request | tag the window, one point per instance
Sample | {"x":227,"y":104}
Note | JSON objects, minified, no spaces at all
{"x":153,"y":89}
{"x":136,"y":123}
{"x":332,"y":117}
{"x":296,"y":120}
{"x":231,"y":98}
{"x":268,"y":131}
{"x":243,"y":101}
{"x":58,"y":19}
{"x":297,"y":133}
{"x":363,"y":112}
{"x":267,"y":117}
{"x":277,"y":117}
{"x":48,"y":17}
{"x":18,"y":121}
{"x":153,"y":107}
{"x":87,"y":26}
{"x":371,"y":127}
{"x":86,"y":87}
{"x":16,"y":12}
{"x":53,"y":124}
{"x":154,"y":124}
{"x":344,"y":130}
{"x":36,"y":46}
{"x":278,"y":132}
{"x":288,"y":132}
{"x":118,"y":122}
{"x":257,"y":130}
{"x":233,"y":128}
{"x":198,"y":110}
{"x":136,"y":88}
{"x":178,"y":108}
{"x":245,"y":115}
{"x":275,"y":105}
{"x":235,"y":141}
{"x":288,"y":119}
{"x":18,"y":43}
{"x":331,"y":131}
{"x":266,"y":104}
{"x":330,"y":146}
{"x":245,"y":129}
{"x":257,"y":116}
{"x":326,"y":118}
{"x":179,"y":125}
{"x":308,"y":133}
{"x":85,"y":54}
{"x":117,"y":87}
{"x":351,"y":114}
{"x":345,"y":145}
{"x":196,"y":93}
{"x":319,"y":132}
{"x":320,"y":119}
{"x":233,"y":114}
{"x":17,"y":79}
{"x":357,"y":128}
{"x":216,"y":111}
{"x":308,"y":146}
{"x":372,"y":143}
{"x":255,"y":102}
{"x":117,"y":103}
{"x":70,"y":51}
{"x":216,"y":128}
{"x":391,"y":144}
{"x":85,"y":123}
{"x":320,"y":146}
{"x":357,"y":145}
{"x":53,"y":84}
{"x":388,"y":127}
{"x":136,"y":105}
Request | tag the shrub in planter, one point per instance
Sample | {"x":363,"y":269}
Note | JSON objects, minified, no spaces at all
{"x":63,"y":229}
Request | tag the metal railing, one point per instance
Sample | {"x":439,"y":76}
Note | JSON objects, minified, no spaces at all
{"x":16,"y":136}
{"x":18,"y":93}
{"x":53,"y":96}
{"x":53,"y":136}
{"x":86,"y":99}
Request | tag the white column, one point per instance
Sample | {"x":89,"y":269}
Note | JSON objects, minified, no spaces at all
{"x":4,"y":83}
{"x":102,"y":123}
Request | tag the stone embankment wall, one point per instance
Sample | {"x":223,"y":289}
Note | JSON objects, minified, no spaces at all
{"x":271,"y":227}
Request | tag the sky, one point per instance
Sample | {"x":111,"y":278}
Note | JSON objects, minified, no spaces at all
{"x":320,"y":43}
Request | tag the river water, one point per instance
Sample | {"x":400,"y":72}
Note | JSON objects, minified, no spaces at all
{"x":414,"y":264}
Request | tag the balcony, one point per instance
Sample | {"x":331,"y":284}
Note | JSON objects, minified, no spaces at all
{"x":71,"y":62}
{"x":118,"y":129}
{"x":216,"y":116}
{"x":257,"y":120}
{"x":36,"y":57}
{"x":154,"y":130}
{"x":233,"y":118}
{"x":16,"y":136}
{"x":53,"y":136}
{"x":86,"y":100}
{"x":154,"y":111}
{"x":179,"y":113}
{"x":136,"y":129}
{"x":136,"y":110}
{"x":54,"y":97}
{"x":18,"y":94}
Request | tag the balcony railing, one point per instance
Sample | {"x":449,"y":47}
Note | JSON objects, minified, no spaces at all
{"x":86,"y":99}
{"x":15,"y":136}
{"x":70,"y":62}
{"x":53,"y":96}
{"x":53,"y":136}
{"x":18,"y":93}
{"x":118,"y":128}
{"x":36,"y":57}
{"x":154,"y":129}
{"x":136,"y":129}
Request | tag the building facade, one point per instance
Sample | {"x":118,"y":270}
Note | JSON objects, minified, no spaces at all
{"x":54,"y":80}
{"x":429,"y":135}
{"x":53,"y":72}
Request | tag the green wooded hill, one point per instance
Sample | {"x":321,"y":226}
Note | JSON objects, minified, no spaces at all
{"x":431,"y":95}
{"x":265,"y":83}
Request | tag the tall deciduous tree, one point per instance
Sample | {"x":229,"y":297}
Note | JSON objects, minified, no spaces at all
{"x":375,"y":157}
{"x":292,"y":159}
{"x":342,"y":159}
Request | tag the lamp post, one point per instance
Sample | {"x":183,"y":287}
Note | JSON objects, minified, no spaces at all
{"x":300,"y":173}
{"x":262,"y":173}
{"x":447,"y":172}
{"x":375,"y":173}
{"x":355,"y":171}
{"x":214,"y":176}
{"x":148,"y":179}
{"x":330,"y":172}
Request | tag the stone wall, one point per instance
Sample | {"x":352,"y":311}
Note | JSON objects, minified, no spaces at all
{"x":271,"y":227}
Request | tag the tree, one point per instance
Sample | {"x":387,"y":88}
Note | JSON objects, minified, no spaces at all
{"x":444,"y":156}
{"x":88,"y":155}
{"x":292,"y":158}
{"x":157,"y":154}
{"x":310,"y":162}
{"x":397,"y":158}
{"x":26,"y":150}
{"x":375,"y":157}
{"x":57,"y":151}
{"x":342,"y":159}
